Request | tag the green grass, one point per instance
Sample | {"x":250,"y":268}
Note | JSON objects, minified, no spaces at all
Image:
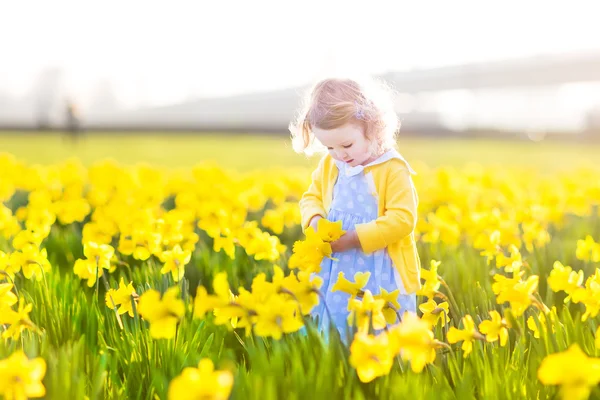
{"x":250,"y":151}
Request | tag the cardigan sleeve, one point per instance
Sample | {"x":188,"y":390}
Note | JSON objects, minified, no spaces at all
{"x":311,"y":203}
{"x":400,"y":211}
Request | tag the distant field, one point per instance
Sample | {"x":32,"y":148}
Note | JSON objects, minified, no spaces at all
{"x":251,"y":151}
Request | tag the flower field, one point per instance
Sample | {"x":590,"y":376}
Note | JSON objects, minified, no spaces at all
{"x":137,"y":281}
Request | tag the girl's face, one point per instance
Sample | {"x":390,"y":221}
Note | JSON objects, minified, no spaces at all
{"x":347,"y":143}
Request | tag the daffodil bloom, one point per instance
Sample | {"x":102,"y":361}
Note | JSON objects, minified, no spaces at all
{"x":277,"y":317}
{"x":273,"y":220}
{"x":7,"y":267}
{"x":21,"y":378}
{"x":305,"y":261}
{"x":512,"y":263}
{"x":70,"y":210}
{"x":175,"y":261}
{"x":27,"y":237}
{"x":490,"y":245}
{"x":201,"y":383}
{"x":433,"y":312}
{"x":564,"y":278}
{"x":121,"y":298}
{"x":589,"y":296}
{"x":291,"y":214}
{"x":87,"y":269}
{"x":96,"y":232}
{"x":467,"y":335}
{"x":265,"y":247}
{"x":575,"y":383}
{"x":308,"y":254}
{"x":18,"y":321}
{"x":228,"y":309}
{"x":329,"y":231}
{"x":234,"y":314}
{"x":515,"y":291}
{"x":352,"y":288}
{"x":414,"y":340}
{"x":588,"y":249}
{"x":371,"y":356}
{"x":9,"y":224}
{"x":226,"y":243}
{"x":32,"y":261}
{"x":531,"y":324}
{"x":391,"y":306}
{"x":204,"y":302}
{"x":163,"y":314}
{"x":366,"y":310}
{"x":535,"y":233}
{"x":494,"y":328}
{"x":100,"y":255}
{"x":303,"y":289}
{"x":432,"y":282}
{"x":7,"y":297}
{"x":141,"y":244}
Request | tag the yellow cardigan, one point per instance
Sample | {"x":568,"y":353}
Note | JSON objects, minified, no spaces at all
{"x":392,"y":186}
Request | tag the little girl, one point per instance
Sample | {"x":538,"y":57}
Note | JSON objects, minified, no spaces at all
{"x":365,"y":183}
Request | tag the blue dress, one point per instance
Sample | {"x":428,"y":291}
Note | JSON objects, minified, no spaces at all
{"x":352,"y":204}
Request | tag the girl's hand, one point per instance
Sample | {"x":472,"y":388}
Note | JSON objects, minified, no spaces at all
{"x":348,"y":241}
{"x":313,"y":222}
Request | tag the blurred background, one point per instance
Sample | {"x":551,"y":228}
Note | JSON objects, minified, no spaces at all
{"x":136,"y":77}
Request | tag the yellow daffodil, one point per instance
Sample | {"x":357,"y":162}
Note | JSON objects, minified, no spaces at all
{"x":17,"y":321}
{"x":352,"y":288}
{"x":515,"y":291}
{"x":329,"y":231}
{"x":100,"y":255}
{"x":588,"y":249}
{"x":21,"y":378}
{"x":414,"y":339}
{"x":466,"y":335}
{"x":366,"y":310}
{"x":495,"y":328}
{"x":370,"y":356}
{"x":7,"y":297}
{"x":122,"y":298}
{"x":433,"y":312}
{"x":575,"y":383}
{"x":564,"y":278}
{"x":175,"y":261}
{"x":162,"y":313}
{"x":201,"y":383}
{"x":432,"y":282}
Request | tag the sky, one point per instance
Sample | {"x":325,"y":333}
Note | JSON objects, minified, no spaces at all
{"x":156,"y":53}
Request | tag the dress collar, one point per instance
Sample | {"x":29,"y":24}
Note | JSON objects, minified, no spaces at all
{"x":388,"y":155}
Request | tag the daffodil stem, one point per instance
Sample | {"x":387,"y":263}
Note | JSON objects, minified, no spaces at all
{"x":97,"y":282}
{"x":445,"y":323}
{"x":453,"y":302}
{"x":322,"y":297}
{"x":537,"y":301}
{"x":324,"y":304}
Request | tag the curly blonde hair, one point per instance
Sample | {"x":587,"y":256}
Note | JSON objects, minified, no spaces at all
{"x":334,"y":102}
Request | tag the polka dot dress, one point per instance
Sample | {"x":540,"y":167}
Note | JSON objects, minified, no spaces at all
{"x":354,"y":203}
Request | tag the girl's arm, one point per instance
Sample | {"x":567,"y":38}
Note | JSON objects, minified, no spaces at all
{"x":400,"y":216}
{"x":311,"y":203}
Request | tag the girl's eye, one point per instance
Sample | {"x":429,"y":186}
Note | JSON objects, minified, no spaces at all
{"x":330,"y":148}
{"x":348,"y":146}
